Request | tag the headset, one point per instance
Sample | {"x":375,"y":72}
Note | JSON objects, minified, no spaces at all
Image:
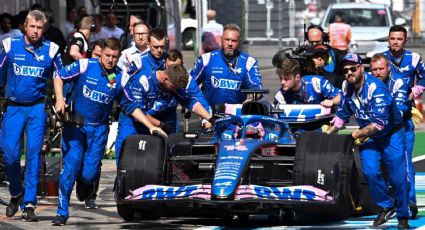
{"x":325,"y":37}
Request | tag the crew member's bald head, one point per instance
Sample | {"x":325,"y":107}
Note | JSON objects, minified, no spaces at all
{"x":315,"y":36}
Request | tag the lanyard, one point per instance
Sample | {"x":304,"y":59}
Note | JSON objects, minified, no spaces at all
{"x":397,"y":61}
{"x":31,"y":50}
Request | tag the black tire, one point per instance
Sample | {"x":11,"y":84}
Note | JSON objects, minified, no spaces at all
{"x":126,"y":211}
{"x":142,"y":162}
{"x":188,"y":39}
{"x":332,"y":157}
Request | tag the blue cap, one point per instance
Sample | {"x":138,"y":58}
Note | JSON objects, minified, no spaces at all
{"x":352,"y":57}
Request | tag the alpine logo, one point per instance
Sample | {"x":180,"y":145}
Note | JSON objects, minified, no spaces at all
{"x":30,"y":71}
{"x":227,"y":183}
{"x":142,"y":145}
{"x":404,"y":69}
{"x":225,"y":83}
{"x":96,"y":95}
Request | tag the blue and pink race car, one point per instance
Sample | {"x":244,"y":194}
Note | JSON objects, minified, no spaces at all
{"x":259,"y":159}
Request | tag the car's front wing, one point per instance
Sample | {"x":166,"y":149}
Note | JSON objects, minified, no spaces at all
{"x":249,"y":193}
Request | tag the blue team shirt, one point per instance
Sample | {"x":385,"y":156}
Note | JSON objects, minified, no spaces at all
{"x":398,"y":85}
{"x":372,"y":104}
{"x":411,"y":64}
{"x":145,"y":62}
{"x":25,"y":68}
{"x":222,"y":82}
{"x":314,"y":89}
{"x":143,"y":91}
{"x":92,"y":93}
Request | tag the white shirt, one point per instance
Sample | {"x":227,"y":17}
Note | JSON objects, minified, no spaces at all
{"x":115,"y":32}
{"x":131,"y":53}
{"x":101,"y":35}
{"x":213,"y":27}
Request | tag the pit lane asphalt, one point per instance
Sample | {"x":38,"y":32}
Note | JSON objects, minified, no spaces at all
{"x":106,"y":217}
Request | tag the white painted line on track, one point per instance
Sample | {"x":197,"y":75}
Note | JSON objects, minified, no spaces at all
{"x":209,"y":228}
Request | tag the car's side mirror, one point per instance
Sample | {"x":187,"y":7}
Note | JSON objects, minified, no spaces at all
{"x":400,"y":21}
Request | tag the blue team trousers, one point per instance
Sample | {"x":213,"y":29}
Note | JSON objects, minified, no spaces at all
{"x":82,"y":150}
{"x":17,"y":119}
{"x":389,"y":149}
{"x":410,"y":142}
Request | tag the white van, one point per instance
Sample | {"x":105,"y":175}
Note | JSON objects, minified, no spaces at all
{"x":369,"y":23}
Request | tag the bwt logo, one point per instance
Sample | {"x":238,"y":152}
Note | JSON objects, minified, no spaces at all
{"x":96,"y":95}
{"x":30,"y":71}
{"x":225,"y":83}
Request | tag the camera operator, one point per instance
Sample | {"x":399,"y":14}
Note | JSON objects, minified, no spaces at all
{"x":316,"y":35}
{"x":320,"y":55}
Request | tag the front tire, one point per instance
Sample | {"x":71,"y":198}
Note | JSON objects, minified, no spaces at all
{"x":142,"y":162}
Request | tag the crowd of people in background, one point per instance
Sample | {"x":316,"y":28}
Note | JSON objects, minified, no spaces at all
{"x":102,"y":27}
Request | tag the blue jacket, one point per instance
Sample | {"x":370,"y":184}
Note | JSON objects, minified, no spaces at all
{"x":92,"y":93}
{"x":26,"y":68}
{"x":410,"y":64}
{"x":143,"y":91}
{"x":222,"y":83}
{"x":314,"y":89}
{"x":398,"y":85}
{"x":373,"y":104}
{"x":146,"y":62}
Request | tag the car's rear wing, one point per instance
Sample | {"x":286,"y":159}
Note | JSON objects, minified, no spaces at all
{"x":301,"y":113}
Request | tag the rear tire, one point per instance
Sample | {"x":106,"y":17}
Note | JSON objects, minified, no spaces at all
{"x":325,"y":161}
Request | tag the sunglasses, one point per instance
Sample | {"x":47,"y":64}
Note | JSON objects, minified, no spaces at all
{"x":352,"y":69}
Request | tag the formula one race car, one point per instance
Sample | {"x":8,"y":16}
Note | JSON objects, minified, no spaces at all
{"x":260,"y":160}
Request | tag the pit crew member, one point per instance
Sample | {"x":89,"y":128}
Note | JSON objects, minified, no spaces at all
{"x":398,"y":85}
{"x":26,"y":63}
{"x":85,"y":135}
{"x":379,"y":118}
{"x":223,"y":73}
{"x":309,"y":89}
{"x":154,"y":93}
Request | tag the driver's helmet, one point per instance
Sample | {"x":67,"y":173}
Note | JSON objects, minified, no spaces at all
{"x":254,"y":130}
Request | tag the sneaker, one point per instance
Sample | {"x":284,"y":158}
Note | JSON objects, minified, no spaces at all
{"x":403,"y":223}
{"x":59,"y":220}
{"x":385,"y":215}
{"x":90,"y":203}
{"x":13,"y":205}
{"x":29,"y":215}
{"x":413,"y":211}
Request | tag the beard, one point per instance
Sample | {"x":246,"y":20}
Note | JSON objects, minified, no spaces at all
{"x":229,"y":53}
{"x":356,"y":79}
